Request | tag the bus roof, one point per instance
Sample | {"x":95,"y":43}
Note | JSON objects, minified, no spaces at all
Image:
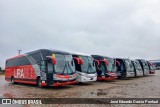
{"x":16,"y":56}
{"x":50,"y":50}
{"x":123,"y":58}
{"x":134,"y":60}
{"x":40,"y":50}
{"x":82,"y":54}
{"x":100,"y":57}
{"x":143,"y":60}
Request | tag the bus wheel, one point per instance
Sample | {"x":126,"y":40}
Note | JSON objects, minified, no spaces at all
{"x":12,"y":80}
{"x":39,"y":82}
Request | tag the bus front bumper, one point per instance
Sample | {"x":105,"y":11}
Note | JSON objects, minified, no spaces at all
{"x":64,"y":83}
{"x":87,"y":79}
{"x":152,"y":72}
{"x":107,"y":78}
{"x":130,"y":74}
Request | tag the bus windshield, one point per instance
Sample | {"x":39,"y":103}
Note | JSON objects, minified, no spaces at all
{"x":137,"y":65}
{"x":151,"y":66}
{"x":145,"y":65}
{"x":111,"y":65}
{"x":129,"y":66}
{"x":88,"y":66}
{"x":70,"y":68}
{"x":64,"y":64}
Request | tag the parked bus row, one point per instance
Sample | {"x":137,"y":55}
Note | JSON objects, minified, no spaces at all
{"x":56,"y":68}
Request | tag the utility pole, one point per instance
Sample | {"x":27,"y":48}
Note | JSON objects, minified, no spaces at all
{"x":19,"y":51}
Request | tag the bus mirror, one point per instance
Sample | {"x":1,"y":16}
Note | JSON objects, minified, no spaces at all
{"x":117,"y":62}
{"x":97,"y":62}
{"x":79,"y":60}
{"x":105,"y":61}
{"x":54,"y":60}
{"x":150,"y":64}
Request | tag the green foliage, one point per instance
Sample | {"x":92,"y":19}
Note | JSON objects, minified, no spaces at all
{"x":1,"y":70}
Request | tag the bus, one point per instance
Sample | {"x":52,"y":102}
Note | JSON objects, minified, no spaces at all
{"x":43,"y":67}
{"x":137,"y":68}
{"x":144,"y":66}
{"x":85,"y":68}
{"x":105,"y":68}
{"x":125,"y":68}
{"x":157,"y":64}
{"x":152,"y":67}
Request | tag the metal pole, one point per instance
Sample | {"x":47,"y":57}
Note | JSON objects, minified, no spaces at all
{"x":19,"y":51}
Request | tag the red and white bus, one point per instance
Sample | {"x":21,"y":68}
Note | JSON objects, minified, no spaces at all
{"x":105,"y":67}
{"x":152,"y":67}
{"x":42,"y":67}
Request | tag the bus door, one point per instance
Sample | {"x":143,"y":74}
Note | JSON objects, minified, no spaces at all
{"x":49,"y":72}
{"x":43,"y":69}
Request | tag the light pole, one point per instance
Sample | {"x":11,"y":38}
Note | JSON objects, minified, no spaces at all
{"x":19,"y":51}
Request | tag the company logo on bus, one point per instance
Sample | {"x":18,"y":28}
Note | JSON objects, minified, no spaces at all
{"x":27,"y":73}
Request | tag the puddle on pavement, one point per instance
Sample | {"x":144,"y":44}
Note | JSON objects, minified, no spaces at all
{"x":101,"y":93}
{"x":98,"y":93}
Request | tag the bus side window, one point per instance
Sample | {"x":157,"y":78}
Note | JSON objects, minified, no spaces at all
{"x":43,"y":66}
{"x":37,"y":57}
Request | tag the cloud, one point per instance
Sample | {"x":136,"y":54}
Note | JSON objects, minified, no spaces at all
{"x":116,"y":28}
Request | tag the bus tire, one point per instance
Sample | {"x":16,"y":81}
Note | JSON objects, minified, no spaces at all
{"x":143,"y":73}
{"x":12,"y":80}
{"x":39,"y":82}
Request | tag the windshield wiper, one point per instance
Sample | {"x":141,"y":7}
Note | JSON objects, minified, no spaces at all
{"x":69,"y":67}
{"x":64,"y":68}
{"x":89,"y":67}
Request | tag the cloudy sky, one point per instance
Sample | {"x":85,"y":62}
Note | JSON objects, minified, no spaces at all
{"x":115,"y":28}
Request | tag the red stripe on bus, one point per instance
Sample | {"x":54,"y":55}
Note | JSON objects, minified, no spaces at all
{"x":107,"y":78}
{"x":43,"y":84}
{"x":64,"y":83}
{"x":27,"y":82}
{"x":62,"y":76}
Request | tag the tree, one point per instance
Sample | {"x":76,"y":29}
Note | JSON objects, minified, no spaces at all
{"x":0,"y":69}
